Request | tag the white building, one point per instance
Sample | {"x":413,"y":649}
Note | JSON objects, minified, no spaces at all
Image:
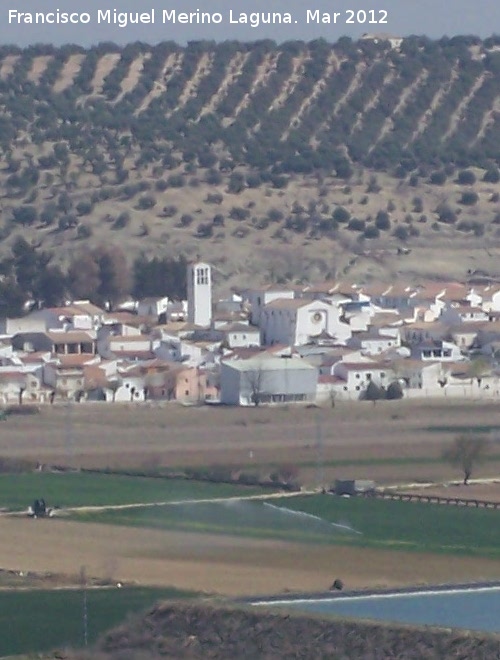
{"x":199,"y":288}
{"x":296,"y":322}
{"x":259,"y":298}
{"x":267,"y":380}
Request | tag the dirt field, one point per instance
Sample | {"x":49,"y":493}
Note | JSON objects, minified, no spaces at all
{"x":379,"y":442}
{"x":483,"y":492}
{"x":219,"y":564}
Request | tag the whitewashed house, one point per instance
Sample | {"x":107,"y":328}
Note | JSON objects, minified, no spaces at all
{"x":259,"y":298}
{"x":375,"y":342}
{"x":152,"y":306}
{"x":356,"y":376}
{"x":240,"y":335}
{"x":443,"y":351}
{"x":454,"y":313}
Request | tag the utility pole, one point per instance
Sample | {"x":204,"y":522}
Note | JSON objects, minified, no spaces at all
{"x":69,"y":431}
{"x":85,"y":621}
{"x":319,"y":452}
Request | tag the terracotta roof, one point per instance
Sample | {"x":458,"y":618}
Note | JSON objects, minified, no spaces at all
{"x":87,"y":307}
{"x":17,"y":376}
{"x":326,"y":378}
{"x":69,"y":337}
{"x":239,"y":327}
{"x":94,"y":376}
{"x":385,"y":318}
{"x":76,"y":360}
{"x":127,"y":318}
{"x":287,"y":303}
{"x":137,"y":355}
{"x":35,"y":357}
{"x":128,"y":338}
{"x":366,"y":366}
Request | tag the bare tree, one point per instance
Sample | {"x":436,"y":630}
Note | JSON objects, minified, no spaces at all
{"x":479,"y":368}
{"x":465,"y":452}
{"x":255,"y":380}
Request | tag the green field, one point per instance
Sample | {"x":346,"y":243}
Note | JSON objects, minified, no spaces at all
{"x":383,"y":524}
{"x":36,"y":621}
{"x":17,"y":491}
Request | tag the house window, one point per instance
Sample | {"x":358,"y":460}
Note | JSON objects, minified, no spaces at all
{"x":345,"y":388}
{"x":382,"y":374}
{"x":358,"y":376}
{"x":357,"y":388}
{"x":186,"y":392}
{"x":368,"y":377}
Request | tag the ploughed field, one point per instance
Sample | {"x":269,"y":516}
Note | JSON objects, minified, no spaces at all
{"x":390,"y":442}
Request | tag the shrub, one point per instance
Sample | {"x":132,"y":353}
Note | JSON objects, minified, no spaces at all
{"x":236,"y":183}
{"x":122,"y":220}
{"x":205,"y":230}
{"x":373,"y":392}
{"x":356,"y":224}
{"x":84,"y":207}
{"x":394,"y":391}
{"x":469,"y":198}
{"x":446,"y":214}
{"x":341,"y":214}
{"x":214,"y":198}
{"x":146,"y":202}
{"x":238,"y":213}
{"x":84,"y":231}
{"x":492,"y":175}
{"x":418,"y":205}
{"x":438,"y":178}
{"x":161,"y":185}
{"x":401,"y":233}
{"x":176,"y":181}
{"x":371,"y":232}
{"x":382,"y":221}
{"x":466,"y":178}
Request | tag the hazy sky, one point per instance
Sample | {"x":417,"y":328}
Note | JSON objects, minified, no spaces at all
{"x":434,"y":18}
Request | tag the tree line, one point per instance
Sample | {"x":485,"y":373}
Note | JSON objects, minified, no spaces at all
{"x":29,"y":277}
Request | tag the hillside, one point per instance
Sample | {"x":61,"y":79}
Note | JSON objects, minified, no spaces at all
{"x":319,"y":159}
{"x":204,"y":631}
